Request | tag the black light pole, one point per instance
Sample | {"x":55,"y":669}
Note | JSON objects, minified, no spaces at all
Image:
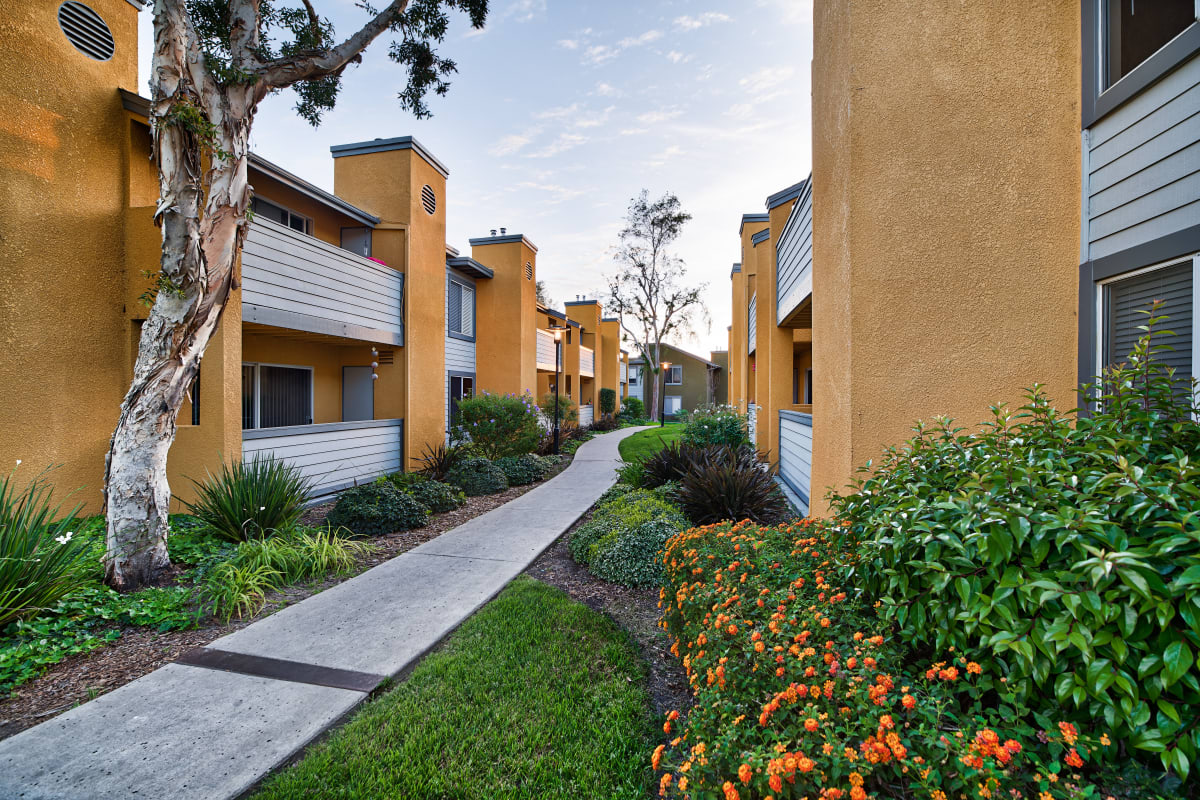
{"x":557,"y":379}
{"x":665,"y":366}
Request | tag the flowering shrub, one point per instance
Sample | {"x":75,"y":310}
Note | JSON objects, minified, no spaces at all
{"x":1058,"y":552}
{"x":500,"y":425}
{"x":798,"y":692}
{"x":716,"y":424}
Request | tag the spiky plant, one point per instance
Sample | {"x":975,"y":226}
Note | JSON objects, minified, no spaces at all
{"x":251,"y":499}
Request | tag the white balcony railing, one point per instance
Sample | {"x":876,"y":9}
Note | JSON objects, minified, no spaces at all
{"x":545,"y":351}
{"x":290,"y":280}
{"x":752,"y":325}
{"x":795,"y":455}
{"x":333,"y":456}
{"x":624,"y":372}
{"x":587,"y":362}
{"x":586,"y":416}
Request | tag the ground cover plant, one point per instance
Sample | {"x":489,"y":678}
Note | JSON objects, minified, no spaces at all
{"x":623,"y":538}
{"x":499,"y":426}
{"x":1062,"y":552}
{"x":534,"y":696}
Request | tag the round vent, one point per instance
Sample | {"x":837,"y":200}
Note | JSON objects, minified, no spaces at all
{"x":528,"y":271}
{"x":84,"y":28}
{"x":428,"y":199}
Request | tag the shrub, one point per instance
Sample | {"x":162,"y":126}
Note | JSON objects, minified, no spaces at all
{"x":251,"y":499}
{"x":798,"y":692}
{"x":1056,"y":551}
{"x":716,"y":425}
{"x":632,"y":408}
{"x":568,"y":411}
{"x":618,"y":515}
{"x":437,"y":496}
{"x":375,"y":509}
{"x":670,"y":463}
{"x":729,"y":484}
{"x":405,"y":480}
{"x":234,"y":591}
{"x":608,"y":401}
{"x":40,"y":560}
{"x":522,"y":470}
{"x":500,"y":425}
{"x":631,"y":473}
{"x":632,"y":557}
{"x":437,"y":461}
{"x":477,"y":476}
{"x":605,"y":424}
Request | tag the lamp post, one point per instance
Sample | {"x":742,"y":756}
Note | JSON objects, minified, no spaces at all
{"x":557,"y":379}
{"x":662,"y":415}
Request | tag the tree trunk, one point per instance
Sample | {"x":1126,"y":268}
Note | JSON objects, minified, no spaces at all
{"x":196,"y":279}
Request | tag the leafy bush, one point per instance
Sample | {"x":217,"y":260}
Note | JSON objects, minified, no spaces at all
{"x":375,"y":509}
{"x":500,"y":425}
{"x":1059,"y":552}
{"x":522,"y":470}
{"x":729,"y":483}
{"x":632,"y":558}
{"x":608,"y":401}
{"x":798,"y":692}
{"x":477,"y":476}
{"x":632,"y":408}
{"x":251,"y":499}
{"x":234,"y":591}
{"x":716,"y":425}
{"x":568,"y":411}
{"x":405,"y":480}
{"x":631,"y":473}
{"x":670,"y":463}
{"x":438,"y":460}
{"x":39,"y":561}
{"x":618,"y":513}
{"x":437,"y":496}
{"x":605,"y":424}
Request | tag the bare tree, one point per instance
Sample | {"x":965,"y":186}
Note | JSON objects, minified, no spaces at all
{"x":647,"y":293}
{"x":214,"y":62}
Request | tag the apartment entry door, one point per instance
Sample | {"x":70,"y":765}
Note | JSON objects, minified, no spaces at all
{"x":358,"y":394}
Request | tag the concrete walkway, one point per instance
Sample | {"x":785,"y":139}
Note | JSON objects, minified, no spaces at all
{"x":252,"y":700}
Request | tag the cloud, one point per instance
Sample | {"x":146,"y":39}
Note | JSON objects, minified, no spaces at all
{"x":603,"y":53}
{"x":676,"y":57}
{"x":525,"y":10}
{"x":558,"y":193}
{"x":763,"y":81}
{"x":790,"y":12}
{"x":606,"y":90}
{"x":559,"y":112}
{"x":633,"y":131}
{"x":511,"y":144}
{"x":564,"y":142}
{"x":654,"y":117}
{"x":576,"y":116}
{"x":702,"y":20}
{"x":641,"y":39}
{"x":568,"y":44}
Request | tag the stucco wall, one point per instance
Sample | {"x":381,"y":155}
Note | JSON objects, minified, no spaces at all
{"x":946,"y":215}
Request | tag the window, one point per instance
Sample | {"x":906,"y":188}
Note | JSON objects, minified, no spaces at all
{"x":461,"y":387}
{"x":460,"y":310}
{"x":675,"y":375}
{"x":357,"y":240}
{"x":194,"y":399}
{"x":1124,"y":298}
{"x":284,"y":216}
{"x":635,"y":375}
{"x":808,"y":387}
{"x":274,"y":396}
{"x":672,"y":404}
{"x":1134,"y":30}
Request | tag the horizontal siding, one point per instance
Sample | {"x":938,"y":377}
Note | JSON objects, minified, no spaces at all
{"x":460,"y":355}
{"x":334,"y":458}
{"x":1143,"y":166}
{"x":793,"y":257}
{"x":586,"y":416}
{"x":795,"y":453}
{"x":587,"y":362}
{"x":752,"y":325}
{"x":624,"y":372}
{"x":287,"y":271}
{"x":545,"y":351}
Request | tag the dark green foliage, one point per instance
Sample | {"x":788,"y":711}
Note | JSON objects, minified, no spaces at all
{"x":40,"y":559}
{"x":633,"y":558}
{"x":608,"y":401}
{"x":437,"y":496}
{"x":251,"y":499}
{"x":605,"y":424}
{"x":499,"y":426}
{"x":477,"y":476}
{"x":630,"y":473}
{"x":568,"y":411}
{"x":729,"y":483}
{"x":404,"y":480}
{"x":670,"y":463}
{"x":617,"y":515}
{"x":632,"y":408}
{"x":719,"y":425}
{"x":438,"y":461}
{"x":375,"y":509}
{"x":522,"y":470}
{"x":1058,"y":551}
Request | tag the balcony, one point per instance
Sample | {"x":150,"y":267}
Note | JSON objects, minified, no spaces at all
{"x":793,"y":258}
{"x":624,"y":372}
{"x":291,"y":280}
{"x":795,"y":456}
{"x":546,"y":359}
{"x":586,"y":416}
{"x":335,"y":455}
{"x":587,"y":362}
{"x":752,"y":325}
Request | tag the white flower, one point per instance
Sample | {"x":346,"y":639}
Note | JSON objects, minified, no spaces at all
{"x":18,"y":462}
{"x":65,"y":537}
{"x":262,"y":508}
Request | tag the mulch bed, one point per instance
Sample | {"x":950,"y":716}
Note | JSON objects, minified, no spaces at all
{"x":635,"y":610}
{"x":140,"y":651}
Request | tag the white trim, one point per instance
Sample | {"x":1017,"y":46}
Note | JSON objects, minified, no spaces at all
{"x":671,"y":371}
{"x":312,"y":390}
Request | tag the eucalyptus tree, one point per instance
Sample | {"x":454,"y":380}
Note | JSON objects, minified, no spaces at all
{"x":214,"y":61}
{"x":648,"y":293}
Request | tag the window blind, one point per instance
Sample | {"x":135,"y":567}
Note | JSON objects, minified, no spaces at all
{"x":1127,"y":300}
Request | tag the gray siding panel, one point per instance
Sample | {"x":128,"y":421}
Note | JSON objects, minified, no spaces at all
{"x":334,"y":456}
{"x":1144,"y":166}
{"x":795,"y":453}
{"x":460,"y":355}
{"x":793,"y":254}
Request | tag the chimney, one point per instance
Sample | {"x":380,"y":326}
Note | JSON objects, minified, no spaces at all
{"x":503,"y":231}
{"x":493,"y":231}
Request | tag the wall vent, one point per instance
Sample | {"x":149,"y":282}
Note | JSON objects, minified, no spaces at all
{"x":528,"y":271}
{"x":387,"y":356}
{"x":84,"y":28}
{"x":428,"y":199}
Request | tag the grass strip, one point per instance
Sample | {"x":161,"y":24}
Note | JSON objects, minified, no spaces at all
{"x":535,"y":696}
{"x":649,"y":442}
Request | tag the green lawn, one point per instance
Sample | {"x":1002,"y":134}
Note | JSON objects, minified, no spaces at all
{"x":535,"y":696}
{"x":646,"y":443}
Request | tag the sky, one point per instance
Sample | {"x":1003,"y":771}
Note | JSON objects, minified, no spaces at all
{"x":563,"y":110}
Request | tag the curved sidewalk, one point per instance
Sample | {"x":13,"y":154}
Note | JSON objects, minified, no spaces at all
{"x":213,"y":727}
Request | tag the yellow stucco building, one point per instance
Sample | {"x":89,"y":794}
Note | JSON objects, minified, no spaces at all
{"x":995,"y":192}
{"x":355,"y":326}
